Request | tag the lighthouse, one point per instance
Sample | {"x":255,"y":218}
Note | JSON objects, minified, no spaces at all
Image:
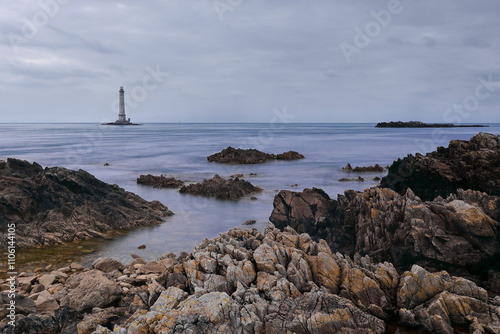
{"x":122,"y":118}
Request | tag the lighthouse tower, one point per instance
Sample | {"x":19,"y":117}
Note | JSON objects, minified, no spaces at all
{"x":122,"y":118}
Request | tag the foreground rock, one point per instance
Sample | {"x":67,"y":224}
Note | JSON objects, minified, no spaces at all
{"x":57,"y":205}
{"x":248,"y":282}
{"x":417,"y":124}
{"x":159,"y":181}
{"x":232,"y":155}
{"x":220,"y":188}
{"x":473,"y":164}
{"x":460,"y":234}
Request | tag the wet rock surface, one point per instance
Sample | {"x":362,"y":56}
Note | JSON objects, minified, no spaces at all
{"x":235,"y":156}
{"x":218,"y":187}
{"x":56,"y":205}
{"x":159,"y":181}
{"x":473,"y":164}
{"x":251,"y":282}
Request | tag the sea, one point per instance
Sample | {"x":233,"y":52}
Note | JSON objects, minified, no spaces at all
{"x":119,"y":154}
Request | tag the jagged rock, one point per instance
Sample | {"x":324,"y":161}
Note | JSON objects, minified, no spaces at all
{"x":290,"y":155}
{"x":57,"y":205}
{"x":106,"y":264}
{"x":47,"y":279}
{"x":218,"y":187}
{"x":64,"y":321}
{"x":90,"y":289}
{"x":473,"y":164}
{"x":460,"y":233}
{"x":159,"y":181}
{"x":438,"y":301}
{"x":239,"y":156}
{"x":45,"y":302}
{"x":104,"y":318}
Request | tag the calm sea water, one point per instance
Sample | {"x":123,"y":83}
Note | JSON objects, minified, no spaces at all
{"x":180,"y":150}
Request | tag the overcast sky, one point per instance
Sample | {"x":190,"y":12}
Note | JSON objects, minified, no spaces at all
{"x":246,"y":60}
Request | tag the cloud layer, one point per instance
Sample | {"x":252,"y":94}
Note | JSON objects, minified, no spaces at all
{"x":237,"y":60}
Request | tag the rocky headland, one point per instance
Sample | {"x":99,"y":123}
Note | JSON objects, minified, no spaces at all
{"x":417,"y":124}
{"x":56,"y":205}
{"x":472,"y":164}
{"x":238,"y":156}
{"x":218,"y":187}
{"x":251,"y":282}
{"x":159,"y":181}
{"x":459,"y":232}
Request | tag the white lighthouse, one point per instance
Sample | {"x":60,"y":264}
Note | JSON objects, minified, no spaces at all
{"x":122,"y":118}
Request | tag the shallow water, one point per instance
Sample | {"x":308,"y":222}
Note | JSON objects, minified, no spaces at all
{"x":180,"y":150}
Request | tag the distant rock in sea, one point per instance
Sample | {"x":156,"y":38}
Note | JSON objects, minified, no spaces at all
{"x":57,"y":205}
{"x":417,"y":124}
{"x":240,"y":156}
{"x":374,"y":168}
{"x":221,"y":188}
{"x":159,"y":181}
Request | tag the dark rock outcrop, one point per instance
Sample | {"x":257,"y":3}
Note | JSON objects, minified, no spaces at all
{"x":290,"y":155}
{"x":473,"y":164}
{"x":237,"y":156}
{"x":159,"y":181}
{"x":221,"y":188}
{"x":374,"y":168}
{"x":417,"y":124}
{"x":460,"y":234}
{"x":57,"y":205}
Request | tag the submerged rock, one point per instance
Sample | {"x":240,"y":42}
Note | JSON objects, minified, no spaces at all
{"x":235,"y":156}
{"x":473,"y":164}
{"x":57,"y":205}
{"x":220,"y":188}
{"x":159,"y":181}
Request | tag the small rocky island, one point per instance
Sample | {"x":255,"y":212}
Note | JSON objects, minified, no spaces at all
{"x":159,"y":181}
{"x":417,"y":124}
{"x":220,"y":188}
{"x":238,"y":156}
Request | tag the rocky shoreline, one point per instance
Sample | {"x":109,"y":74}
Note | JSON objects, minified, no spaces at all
{"x":249,"y":282}
{"x":51,"y":206}
{"x":424,"y":258}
